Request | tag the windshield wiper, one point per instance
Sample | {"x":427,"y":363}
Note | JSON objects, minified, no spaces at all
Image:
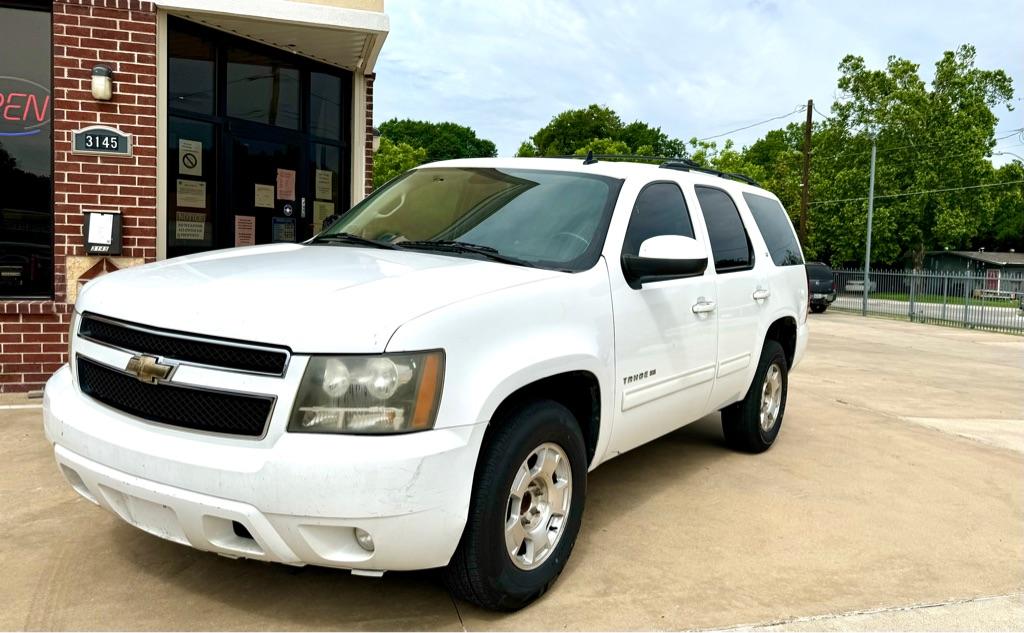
{"x":349,"y":238}
{"x":454,"y":246}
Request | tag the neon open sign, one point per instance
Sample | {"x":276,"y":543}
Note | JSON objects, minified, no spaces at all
{"x":24,"y":107}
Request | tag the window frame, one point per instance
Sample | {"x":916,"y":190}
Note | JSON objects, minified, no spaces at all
{"x":764,"y":237}
{"x":743,"y":224}
{"x":227,"y":127}
{"x":632,"y":211}
{"x":49,"y":293}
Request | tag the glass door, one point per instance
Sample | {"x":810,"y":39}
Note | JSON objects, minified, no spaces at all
{"x":268,"y":196}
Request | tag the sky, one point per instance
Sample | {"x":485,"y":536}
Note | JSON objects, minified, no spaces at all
{"x":694,"y":68}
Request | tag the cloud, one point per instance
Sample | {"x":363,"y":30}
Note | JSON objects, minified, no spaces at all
{"x":695,"y":68}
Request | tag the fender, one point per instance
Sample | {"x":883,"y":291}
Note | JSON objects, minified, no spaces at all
{"x":498,"y":343}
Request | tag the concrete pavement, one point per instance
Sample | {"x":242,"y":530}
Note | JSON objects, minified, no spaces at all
{"x":896,"y":485}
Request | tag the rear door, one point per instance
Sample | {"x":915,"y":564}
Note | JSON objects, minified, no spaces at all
{"x":742,"y":292}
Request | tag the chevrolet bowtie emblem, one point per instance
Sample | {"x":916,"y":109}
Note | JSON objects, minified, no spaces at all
{"x":148,"y":369}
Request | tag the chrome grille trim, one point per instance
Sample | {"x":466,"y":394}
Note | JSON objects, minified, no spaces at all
{"x":198,"y":340}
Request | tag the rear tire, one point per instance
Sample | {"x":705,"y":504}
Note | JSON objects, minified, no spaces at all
{"x":818,"y":309}
{"x":752,"y":424}
{"x":515,"y":544}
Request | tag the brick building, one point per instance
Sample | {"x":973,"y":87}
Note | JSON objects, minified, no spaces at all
{"x":244,"y":122}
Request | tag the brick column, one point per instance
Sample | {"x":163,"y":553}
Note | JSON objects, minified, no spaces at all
{"x":368,"y":180}
{"x":122,"y":35}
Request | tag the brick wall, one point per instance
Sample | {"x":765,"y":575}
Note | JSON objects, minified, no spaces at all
{"x":122,"y":35}
{"x":368,"y":181}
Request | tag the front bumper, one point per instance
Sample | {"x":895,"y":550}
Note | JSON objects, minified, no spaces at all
{"x":299,"y":496}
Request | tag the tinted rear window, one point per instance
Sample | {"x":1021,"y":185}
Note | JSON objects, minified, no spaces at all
{"x":776,"y":229}
{"x":729,"y":242}
{"x":819,"y":271}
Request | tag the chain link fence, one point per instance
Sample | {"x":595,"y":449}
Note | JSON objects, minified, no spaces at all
{"x":991,"y":301}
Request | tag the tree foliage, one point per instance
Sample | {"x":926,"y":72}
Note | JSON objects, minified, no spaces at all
{"x":391,"y":159}
{"x":442,"y":141}
{"x":576,"y":131}
{"x":929,"y":138}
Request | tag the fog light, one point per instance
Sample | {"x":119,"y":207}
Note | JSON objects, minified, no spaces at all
{"x":364,"y":539}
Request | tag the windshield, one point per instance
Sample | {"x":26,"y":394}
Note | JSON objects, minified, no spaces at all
{"x":545,"y":218}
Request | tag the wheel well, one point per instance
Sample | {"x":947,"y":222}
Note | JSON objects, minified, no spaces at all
{"x":578,"y":391}
{"x":783,"y":331}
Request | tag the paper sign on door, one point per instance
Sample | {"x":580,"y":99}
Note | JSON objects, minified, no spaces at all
{"x":321,"y":211}
{"x":190,"y":158}
{"x":285,"y":184}
{"x":324,"y":182}
{"x":245,"y":230}
{"x":191,"y":193}
{"x":264,"y":196}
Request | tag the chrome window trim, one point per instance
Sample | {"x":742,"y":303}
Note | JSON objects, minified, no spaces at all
{"x":185,"y":385}
{"x":188,"y":337}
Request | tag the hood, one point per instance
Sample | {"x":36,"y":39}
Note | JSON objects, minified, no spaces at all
{"x":310,"y":298}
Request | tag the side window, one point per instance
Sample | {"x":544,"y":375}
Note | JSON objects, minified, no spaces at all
{"x":659,"y":210}
{"x":776,"y":230}
{"x":729,"y":242}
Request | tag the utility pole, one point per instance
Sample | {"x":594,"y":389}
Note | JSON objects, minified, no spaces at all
{"x":805,"y":192}
{"x":871,"y":211}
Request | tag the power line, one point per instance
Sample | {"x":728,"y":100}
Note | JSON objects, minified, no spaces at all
{"x":946,"y":142}
{"x":821,"y":114}
{"x":855,"y":151}
{"x":920,"y":193}
{"x":799,"y":108}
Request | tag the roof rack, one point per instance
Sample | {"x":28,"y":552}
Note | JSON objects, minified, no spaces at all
{"x":685,"y":164}
{"x":667,"y":162}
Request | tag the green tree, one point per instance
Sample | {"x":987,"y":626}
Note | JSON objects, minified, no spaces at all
{"x":442,"y":141}
{"x":392,"y":159}
{"x":574,"y":131}
{"x":1005,"y":230}
{"x":603,"y":146}
{"x":937,"y":137}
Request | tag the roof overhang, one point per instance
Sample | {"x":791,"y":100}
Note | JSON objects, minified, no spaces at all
{"x":347,"y":38}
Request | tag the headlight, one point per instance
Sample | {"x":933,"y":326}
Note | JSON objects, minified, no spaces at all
{"x":388,"y":393}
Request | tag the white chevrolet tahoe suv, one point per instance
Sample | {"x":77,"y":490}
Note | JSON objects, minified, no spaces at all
{"x":427,"y":382}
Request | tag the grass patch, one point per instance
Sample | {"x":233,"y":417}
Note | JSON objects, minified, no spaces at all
{"x":949,"y":299}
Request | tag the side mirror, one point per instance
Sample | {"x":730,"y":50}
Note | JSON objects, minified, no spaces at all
{"x":665,"y":257}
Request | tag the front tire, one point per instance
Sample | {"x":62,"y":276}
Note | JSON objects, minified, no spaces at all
{"x":525,"y":511}
{"x":752,"y":424}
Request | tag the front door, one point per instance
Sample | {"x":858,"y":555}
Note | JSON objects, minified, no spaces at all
{"x":665,"y":332}
{"x":267,"y":203}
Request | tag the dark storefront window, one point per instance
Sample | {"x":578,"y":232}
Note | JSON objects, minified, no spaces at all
{"x":262,"y":89}
{"x":26,"y":209}
{"x":258,"y":139}
{"x":191,"y":69}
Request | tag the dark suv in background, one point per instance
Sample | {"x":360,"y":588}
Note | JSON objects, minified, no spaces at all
{"x":821,"y":286}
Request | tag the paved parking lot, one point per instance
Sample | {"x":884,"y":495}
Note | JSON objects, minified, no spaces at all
{"x":897,"y":481}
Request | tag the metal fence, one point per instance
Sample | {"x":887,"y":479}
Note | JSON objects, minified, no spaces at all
{"x":989,"y":301}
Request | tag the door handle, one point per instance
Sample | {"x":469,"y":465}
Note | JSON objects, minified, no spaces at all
{"x":703,"y":306}
{"x":761,"y":294}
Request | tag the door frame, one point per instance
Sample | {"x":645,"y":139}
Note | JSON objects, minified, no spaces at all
{"x":236,"y":130}
{"x":227,"y":128}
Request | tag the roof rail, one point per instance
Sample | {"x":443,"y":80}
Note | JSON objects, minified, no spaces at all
{"x":626,"y":157}
{"x":685,"y":164}
{"x":667,"y":162}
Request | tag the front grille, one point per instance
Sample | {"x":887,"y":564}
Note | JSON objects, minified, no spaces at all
{"x":176,"y":405}
{"x":169,"y":345}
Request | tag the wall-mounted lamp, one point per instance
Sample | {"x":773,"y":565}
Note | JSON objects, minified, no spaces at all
{"x":102,"y":82}
{"x":376,"y":139}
